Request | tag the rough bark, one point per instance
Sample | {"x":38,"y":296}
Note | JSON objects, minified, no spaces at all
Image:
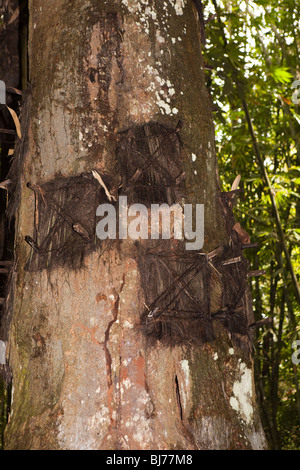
{"x":84,"y":374}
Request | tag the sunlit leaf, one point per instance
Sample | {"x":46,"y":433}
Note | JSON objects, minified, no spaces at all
{"x":281,"y":75}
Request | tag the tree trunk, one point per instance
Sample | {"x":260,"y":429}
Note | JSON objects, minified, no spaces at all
{"x":123,"y":343}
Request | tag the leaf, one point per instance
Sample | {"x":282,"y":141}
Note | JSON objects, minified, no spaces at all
{"x":243,"y":235}
{"x":4,"y":184}
{"x":281,"y":75}
{"x":16,"y":121}
{"x":296,"y":116}
{"x":286,"y":100}
{"x":101,"y":182}
{"x":14,"y":16}
{"x":236,"y":183}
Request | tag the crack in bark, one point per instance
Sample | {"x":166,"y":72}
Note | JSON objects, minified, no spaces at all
{"x":106,"y":339}
{"x":178,"y":397}
{"x":186,"y":433}
{"x":108,"y":357}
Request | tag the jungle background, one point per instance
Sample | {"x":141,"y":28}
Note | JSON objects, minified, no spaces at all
{"x":251,"y":56}
{"x":252,"y":59}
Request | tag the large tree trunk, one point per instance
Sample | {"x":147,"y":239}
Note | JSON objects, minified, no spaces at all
{"x":123,"y":344}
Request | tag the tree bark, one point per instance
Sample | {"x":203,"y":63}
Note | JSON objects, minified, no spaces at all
{"x":85,"y":374}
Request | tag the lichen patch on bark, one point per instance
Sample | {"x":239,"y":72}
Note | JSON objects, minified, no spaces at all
{"x":242,"y":393}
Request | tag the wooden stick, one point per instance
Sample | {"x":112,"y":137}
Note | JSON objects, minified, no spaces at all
{"x":32,"y":243}
{"x":232,"y":260}
{"x":258,"y":324}
{"x":259,"y":272}
{"x":7,"y":131}
{"x":213,"y":253}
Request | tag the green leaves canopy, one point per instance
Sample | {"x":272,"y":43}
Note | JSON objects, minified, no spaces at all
{"x":252,"y":61}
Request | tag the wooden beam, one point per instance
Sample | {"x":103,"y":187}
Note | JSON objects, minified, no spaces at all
{"x":7,"y":131}
{"x":6,"y":263}
{"x":250,"y":245}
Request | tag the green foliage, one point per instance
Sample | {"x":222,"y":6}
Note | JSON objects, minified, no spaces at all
{"x":252,"y":50}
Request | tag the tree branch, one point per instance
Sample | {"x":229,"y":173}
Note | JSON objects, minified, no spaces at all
{"x":273,"y":201}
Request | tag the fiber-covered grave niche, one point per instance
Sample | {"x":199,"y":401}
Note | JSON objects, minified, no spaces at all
{"x":178,"y":288}
{"x":64,"y":222}
{"x":177,"y":283}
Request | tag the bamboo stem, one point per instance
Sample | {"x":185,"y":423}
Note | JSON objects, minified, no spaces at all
{"x":273,"y":201}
